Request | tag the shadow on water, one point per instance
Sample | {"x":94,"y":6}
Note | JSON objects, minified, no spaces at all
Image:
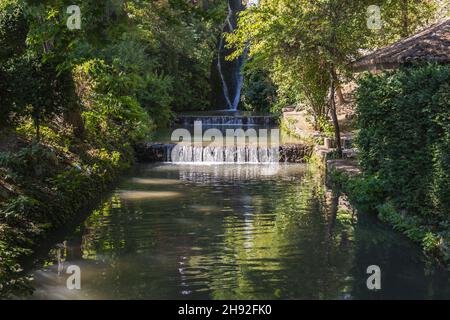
{"x":406,"y":272}
{"x":232,"y":232}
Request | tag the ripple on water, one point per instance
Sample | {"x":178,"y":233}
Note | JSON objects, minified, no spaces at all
{"x":233,"y":231}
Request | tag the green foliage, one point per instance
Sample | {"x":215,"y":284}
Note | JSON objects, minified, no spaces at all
{"x":112,"y":113}
{"x":12,"y":280}
{"x":325,"y":126}
{"x":155,"y":97}
{"x":368,"y":195}
{"x":51,"y":188}
{"x":303,"y":82}
{"x":181,"y":41}
{"x":433,"y":243}
{"x":31,"y":84}
{"x":39,"y":90}
{"x":35,"y":163}
{"x":163,"y":49}
{"x":13,"y":29}
{"x":301,"y":42}
{"x":401,"y":18}
{"x":258,"y":92}
{"x":365,"y":191}
{"x":410,"y":225}
{"x":15,"y":210}
{"x":404,"y":137}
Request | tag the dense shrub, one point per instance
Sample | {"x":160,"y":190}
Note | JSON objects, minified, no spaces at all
{"x":259,"y":92}
{"x":111,"y":113}
{"x":365,"y":191}
{"x":91,"y":94}
{"x":154,"y":96}
{"x":13,"y":29}
{"x":404,"y":139}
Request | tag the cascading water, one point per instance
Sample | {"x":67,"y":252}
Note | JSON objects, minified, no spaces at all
{"x":235,"y":120}
{"x":227,"y":79}
{"x":214,"y":154}
{"x":218,"y":142}
{"x":227,"y":82}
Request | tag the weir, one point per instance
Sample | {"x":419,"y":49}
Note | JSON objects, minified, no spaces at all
{"x":208,"y":154}
{"x":237,"y":120}
{"x":218,"y":138}
{"x":164,"y":152}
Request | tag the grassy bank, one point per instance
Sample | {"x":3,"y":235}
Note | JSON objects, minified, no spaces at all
{"x":75,"y":101}
{"x":42,"y":187}
{"x":367,"y":194}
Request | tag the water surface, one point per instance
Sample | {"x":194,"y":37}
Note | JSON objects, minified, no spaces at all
{"x":191,"y":231}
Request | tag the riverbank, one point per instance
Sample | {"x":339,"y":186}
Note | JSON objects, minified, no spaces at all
{"x":365,"y":192}
{"x":42,"y":187}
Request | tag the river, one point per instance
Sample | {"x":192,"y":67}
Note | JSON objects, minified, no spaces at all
{"x":232,"y":231}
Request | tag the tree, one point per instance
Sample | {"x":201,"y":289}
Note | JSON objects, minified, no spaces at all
{"x":181,"y":41}
{"x":401,"y":18}
{"x":307,"y":35}
{"x":317,"y":38}
{"x":13,"y":31}
{"x":37,"y":89}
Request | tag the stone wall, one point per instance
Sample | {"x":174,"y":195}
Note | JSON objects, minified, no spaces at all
{"x":149,"y":152}
{"x":291,"y":153}
{"x":295,"y":153}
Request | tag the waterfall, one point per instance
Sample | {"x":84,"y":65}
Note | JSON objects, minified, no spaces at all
{"x":239,"y":80}
{"x":215,"y":154}
{"x":244,"y":144}
{"x":229,"y":79}
{"x":225,"y":90}
{"x":182,"y":153}
{"x":227,"y":120}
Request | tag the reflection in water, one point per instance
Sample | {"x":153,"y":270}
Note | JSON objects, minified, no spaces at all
{"x":234,"y":232}
{"x":147,"y":195}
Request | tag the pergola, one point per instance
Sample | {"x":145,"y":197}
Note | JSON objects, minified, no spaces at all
{"x":431,"y":44}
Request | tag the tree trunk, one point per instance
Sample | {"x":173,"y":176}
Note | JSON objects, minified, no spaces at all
{"x":337,"y":131}
{"x":338,"y":88}
{"x":405,"y":18}
{"x":340,"y":95}
{"x":73,"y":118}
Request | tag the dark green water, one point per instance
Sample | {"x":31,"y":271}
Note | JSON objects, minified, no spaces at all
{"x":233,"y":232}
